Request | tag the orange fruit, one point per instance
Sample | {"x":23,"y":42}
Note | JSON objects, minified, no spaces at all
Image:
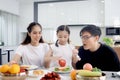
{"x":4,"y":68}
{"x":73,"y":74}
{"x":0,"y":69}
{"x":87,"y":66}
{"x":14,"y":69}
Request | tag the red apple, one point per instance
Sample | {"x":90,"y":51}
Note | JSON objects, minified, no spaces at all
{"x":62,"y":62}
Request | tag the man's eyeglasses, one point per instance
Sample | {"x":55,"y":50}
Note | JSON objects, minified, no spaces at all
{"x":85,"y":37}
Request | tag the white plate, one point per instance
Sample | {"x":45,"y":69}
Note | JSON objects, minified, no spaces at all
{"x":61,"y":72}
{"x":38,"y":77}
{"x":30,"y":67}
{"x":118,"y":73}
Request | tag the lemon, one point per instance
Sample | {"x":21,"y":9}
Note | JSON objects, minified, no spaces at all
{"x":4,"y":68}
{"x":14,"y":69}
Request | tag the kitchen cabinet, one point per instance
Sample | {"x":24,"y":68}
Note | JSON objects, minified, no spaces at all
{"x":8,"y":29}
{"x":117,"y":50}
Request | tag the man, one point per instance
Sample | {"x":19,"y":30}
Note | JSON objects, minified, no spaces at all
{"x":97,"y":54}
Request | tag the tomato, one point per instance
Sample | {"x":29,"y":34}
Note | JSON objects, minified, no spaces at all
{"x":62,"y":62}
{"x":87,"y":66}
{"x":22,"y":70}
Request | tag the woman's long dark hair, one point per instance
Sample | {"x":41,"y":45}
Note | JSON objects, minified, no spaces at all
{"x":63,"y":28}
{"x":29,"y":30}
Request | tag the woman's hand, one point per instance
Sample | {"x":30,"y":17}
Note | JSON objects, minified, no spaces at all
{"x":15,"y":59}
{"x":12,"y":62}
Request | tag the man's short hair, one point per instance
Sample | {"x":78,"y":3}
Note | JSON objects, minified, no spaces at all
{"x":92,"y":29}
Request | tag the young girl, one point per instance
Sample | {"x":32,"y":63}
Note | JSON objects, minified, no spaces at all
{"x":62,"y":49}
{"x":33,"y":48}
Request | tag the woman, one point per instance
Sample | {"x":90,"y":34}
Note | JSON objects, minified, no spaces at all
{"x":32,"y":49}
{"x":96,"y":53}
{"x":62,"y":49}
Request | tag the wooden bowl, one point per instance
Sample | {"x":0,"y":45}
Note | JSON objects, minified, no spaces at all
{"x":8,"y":74}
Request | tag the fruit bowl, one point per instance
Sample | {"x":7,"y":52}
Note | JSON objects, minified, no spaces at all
{"x":103,"y":77}
{"x":10,"y":70}
{"x":22,"y":72}
{"x":8,"y":74}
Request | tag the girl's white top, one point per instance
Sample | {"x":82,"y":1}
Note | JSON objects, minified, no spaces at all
{"x":65,"y":51}
{"x":33,"y":55}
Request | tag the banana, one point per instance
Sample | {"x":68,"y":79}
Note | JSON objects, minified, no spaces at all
{"x":89,"y":73}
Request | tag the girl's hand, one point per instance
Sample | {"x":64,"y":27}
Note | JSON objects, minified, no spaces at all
{"x":75,"y":51}
{"x":55,"y":58}
{"x":75,"y":56}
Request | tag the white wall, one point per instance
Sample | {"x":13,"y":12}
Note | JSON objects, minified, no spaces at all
{"x":26,"y":16}
{"x":78,"y":12}
{"x":86,"y":15}
{"x":11,"y":6}
{"x":111,"y":10}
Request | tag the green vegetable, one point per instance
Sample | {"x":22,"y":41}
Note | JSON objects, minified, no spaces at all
{"x":67,"y":69}
{"x":108,"y":41}
{"x":56,"y":69}
{"x":96,"y":69}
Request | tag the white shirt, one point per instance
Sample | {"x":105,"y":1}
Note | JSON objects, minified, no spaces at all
{"x":32,"y":55}
{"x":62,"y":50}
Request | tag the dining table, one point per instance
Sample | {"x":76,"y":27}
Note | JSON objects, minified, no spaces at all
{"x":110,"y":75}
